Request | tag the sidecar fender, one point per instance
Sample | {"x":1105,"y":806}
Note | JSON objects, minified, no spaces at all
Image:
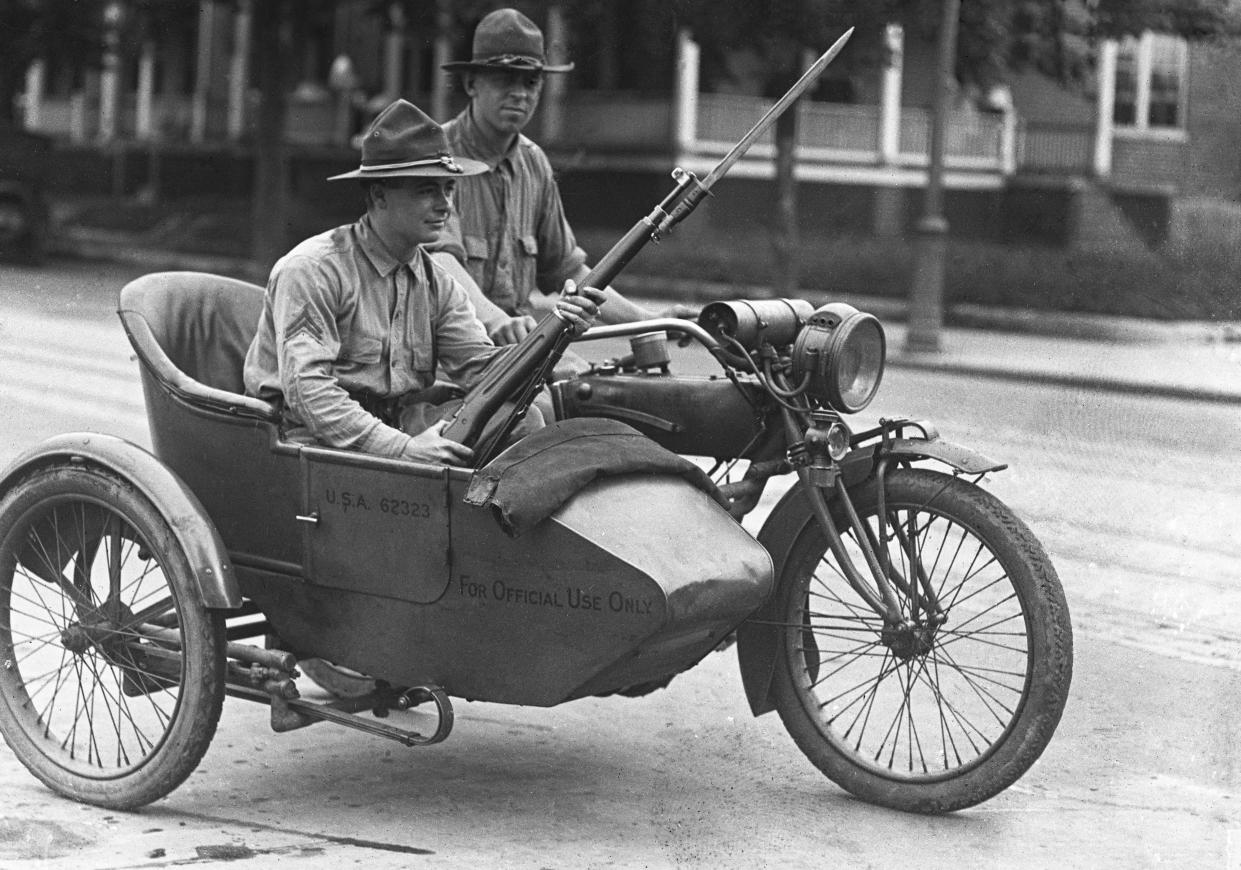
{"x":196,"y":534}
{"x":758,"y":639}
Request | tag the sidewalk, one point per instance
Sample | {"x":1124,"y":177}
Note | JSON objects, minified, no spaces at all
{"x":1176,"y":360}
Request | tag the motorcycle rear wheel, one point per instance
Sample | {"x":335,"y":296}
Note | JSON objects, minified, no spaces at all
{"x":931,"y":718}
{"x":113,"y":676}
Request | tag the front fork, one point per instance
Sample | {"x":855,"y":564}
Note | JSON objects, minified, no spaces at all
{"x":817,"y":470}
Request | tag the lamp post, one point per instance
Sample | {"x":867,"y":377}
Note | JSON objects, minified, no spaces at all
{"x":926,"y":298}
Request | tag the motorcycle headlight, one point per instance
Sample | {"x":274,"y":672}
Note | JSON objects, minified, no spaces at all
{"x":842,"y":350}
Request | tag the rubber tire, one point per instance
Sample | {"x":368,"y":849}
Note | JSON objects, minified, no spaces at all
{"x":196,"y":710}
{"x":1049,"y":660}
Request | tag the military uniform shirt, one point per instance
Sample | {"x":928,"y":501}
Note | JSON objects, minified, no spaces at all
{"x":508,"y":225}
{"x":342,"y":315}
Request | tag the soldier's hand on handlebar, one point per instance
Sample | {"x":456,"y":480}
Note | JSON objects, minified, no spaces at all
{"x":431,"y":446}
{"x":578,"y":306}
{"x":512,"y":330}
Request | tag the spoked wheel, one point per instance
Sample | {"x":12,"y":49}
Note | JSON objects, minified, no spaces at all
{"x":953,"y":706}
{"x":113,"y":675}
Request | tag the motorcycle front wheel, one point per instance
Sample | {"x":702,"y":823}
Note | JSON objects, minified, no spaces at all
{"x":953,"y":706}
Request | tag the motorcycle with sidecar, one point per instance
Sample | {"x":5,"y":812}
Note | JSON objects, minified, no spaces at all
{"x":908,"y":629}
{"x":906,"y":626}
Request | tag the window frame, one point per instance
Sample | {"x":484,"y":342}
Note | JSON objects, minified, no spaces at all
{"x":1143,"y":47}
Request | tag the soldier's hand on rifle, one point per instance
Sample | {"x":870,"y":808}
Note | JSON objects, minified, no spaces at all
{"x":430,"y":445}
{"x":512,"y":330}
{"x":577,"y":306}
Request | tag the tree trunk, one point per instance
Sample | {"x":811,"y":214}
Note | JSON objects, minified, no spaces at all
{"x":785,"y":242}
{"x":270,"y":205}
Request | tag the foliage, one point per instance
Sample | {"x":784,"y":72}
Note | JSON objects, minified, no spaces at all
{"x":1056,"y":37}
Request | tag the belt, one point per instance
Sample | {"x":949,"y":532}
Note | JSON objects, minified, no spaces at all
{"x":386,"y":408}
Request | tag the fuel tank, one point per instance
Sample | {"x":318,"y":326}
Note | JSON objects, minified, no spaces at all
{"x":687,"y":414}
{"x":634,"y":578}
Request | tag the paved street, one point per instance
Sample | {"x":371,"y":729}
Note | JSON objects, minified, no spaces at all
{"x":1135,"y":497}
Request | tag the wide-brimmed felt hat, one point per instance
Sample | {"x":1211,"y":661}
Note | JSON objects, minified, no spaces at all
{"x":507,"y":40}
{"x":403,"y":141}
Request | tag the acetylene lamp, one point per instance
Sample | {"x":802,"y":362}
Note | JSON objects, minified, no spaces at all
{"x":841,"y":352}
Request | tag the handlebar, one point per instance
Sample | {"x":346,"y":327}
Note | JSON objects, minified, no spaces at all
{"x":658,"y":324}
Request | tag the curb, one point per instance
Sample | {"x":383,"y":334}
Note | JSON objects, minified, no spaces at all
{"x":117,"y":247}
{"x":1051,"y":379}
{"x":1023,"y":321}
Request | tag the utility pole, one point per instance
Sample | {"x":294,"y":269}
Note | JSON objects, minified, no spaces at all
{"x":926,"y":299}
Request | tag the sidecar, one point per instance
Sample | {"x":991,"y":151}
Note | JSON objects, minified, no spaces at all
{"x":215,"y":564}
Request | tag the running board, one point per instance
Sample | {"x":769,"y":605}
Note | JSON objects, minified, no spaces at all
{"x":288,"y":714}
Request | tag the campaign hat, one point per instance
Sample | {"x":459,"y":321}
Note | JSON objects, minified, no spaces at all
{"x":507,"y":40}
{"x":404,"y":142}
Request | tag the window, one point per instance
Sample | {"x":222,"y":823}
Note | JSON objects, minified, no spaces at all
{"x":1150,"y":83}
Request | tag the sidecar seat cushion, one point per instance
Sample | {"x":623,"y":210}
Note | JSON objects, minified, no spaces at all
{"x":527,"y":482}
{"x":192,"y":330}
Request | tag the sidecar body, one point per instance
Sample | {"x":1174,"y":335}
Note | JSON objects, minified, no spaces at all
{"x":378,"y":565}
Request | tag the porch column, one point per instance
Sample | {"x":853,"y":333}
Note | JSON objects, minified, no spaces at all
{"x":394,"y":52}
{"x":32,"y":101}
{"x":890,"y":95}
{"x":889,"y":214}
{"x":110,"y":75}
{"x":685,"y":97}
{"x":554,"y":85}
{"x":1105,"y":108}
{"x":202,"y":72}
{"x":440,"y":55}
{"x":144,"y":115}
{"x":239,"y":70}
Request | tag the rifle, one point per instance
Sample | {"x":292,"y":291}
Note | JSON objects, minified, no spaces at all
{"x":517,"y":376}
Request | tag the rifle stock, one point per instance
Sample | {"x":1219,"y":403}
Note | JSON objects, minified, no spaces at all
{"x":518,"y":375}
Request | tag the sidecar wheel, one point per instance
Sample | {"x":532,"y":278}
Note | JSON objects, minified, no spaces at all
{"x":91,"y":702}
{"x":930,"y":718}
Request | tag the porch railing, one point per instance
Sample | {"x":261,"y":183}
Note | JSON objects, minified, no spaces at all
{"x":1055,"y":148}
{"x":624,"y":123}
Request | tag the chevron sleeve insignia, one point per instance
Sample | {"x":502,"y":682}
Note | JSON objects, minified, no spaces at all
{"x":306,"y":323}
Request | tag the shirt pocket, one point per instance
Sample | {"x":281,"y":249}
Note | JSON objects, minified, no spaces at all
{"x":360,"y":350}
{"x":476,"y":248}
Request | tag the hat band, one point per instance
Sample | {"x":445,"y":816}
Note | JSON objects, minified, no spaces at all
{"x":443,"y":160}
{"x":509,"y":60}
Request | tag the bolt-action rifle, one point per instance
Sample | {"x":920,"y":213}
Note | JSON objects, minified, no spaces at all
{"x":508,"y":388}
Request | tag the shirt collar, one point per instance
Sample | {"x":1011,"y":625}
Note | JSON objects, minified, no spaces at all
{"x":472,"y":142}
{"x":374,"y":249}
